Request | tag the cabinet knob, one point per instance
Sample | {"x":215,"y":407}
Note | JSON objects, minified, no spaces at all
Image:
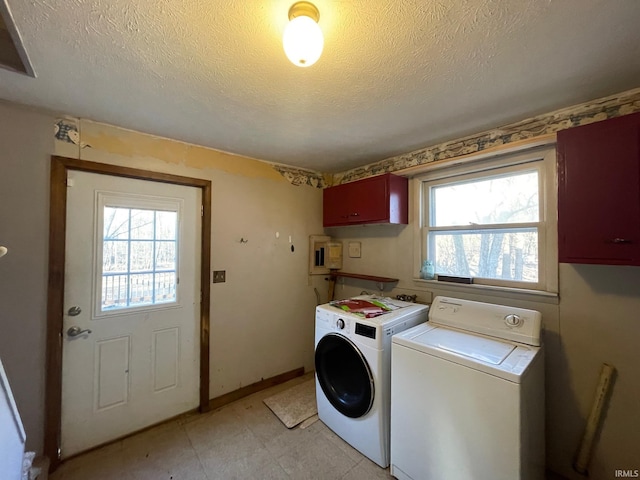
{"x":355,"y":214}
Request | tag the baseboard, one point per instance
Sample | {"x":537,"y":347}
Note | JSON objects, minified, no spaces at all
{"x":230,"y":397}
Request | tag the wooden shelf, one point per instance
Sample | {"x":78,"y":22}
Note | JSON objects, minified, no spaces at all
{"x":371,"y":278}
{"x":334,"y":274}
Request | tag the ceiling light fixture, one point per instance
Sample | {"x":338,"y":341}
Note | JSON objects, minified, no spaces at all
{"x":302,"y":39}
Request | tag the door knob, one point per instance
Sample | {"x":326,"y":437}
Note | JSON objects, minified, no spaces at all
{"x":75,"y":331}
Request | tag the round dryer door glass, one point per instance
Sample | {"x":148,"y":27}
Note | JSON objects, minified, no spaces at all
{"x":344,"y":375}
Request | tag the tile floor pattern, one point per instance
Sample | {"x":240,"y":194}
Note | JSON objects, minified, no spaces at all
{"x":243,"y":440}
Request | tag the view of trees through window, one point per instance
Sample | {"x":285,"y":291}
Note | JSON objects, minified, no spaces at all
{"x":486,"y":227}
{"x":138,"y":257}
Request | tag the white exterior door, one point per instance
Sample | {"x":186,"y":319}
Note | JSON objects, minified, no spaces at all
{"x":131,"y":307}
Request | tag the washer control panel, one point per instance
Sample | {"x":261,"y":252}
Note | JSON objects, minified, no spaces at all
{"x":501,"y":321}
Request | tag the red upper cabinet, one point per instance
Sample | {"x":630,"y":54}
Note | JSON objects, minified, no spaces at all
{"x":381,"y":199}
{"x":599,"y":192}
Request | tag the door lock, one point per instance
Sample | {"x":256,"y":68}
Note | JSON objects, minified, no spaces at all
{"x":74,"y":311}
{"x":75,"y":331}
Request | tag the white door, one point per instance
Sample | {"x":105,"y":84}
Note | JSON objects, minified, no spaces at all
{"x":130,"y":331}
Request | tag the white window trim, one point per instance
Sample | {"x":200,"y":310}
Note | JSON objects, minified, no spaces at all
{"x":548,"y":280}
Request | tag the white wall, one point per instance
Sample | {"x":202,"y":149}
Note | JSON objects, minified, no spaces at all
{"x":596,"y":320}
{"x":262,"y":318}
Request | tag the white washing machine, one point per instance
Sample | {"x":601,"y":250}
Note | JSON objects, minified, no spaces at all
{"x":467,"y":395}
{"x":352,"y":361}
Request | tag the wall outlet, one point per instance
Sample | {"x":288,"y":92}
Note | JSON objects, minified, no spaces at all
{"x":219,"y":276}
{"x":354,"y":249}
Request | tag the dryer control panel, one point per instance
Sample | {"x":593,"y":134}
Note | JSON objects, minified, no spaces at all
{"x":329,"y":320}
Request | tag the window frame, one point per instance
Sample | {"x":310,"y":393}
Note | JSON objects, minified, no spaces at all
{"x":448,"y":172}
{"x":131,"y":201}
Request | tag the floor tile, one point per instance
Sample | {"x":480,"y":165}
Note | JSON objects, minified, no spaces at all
{"x":320,"y":428}
{"x":315,"y":457}
{"x":229,"y":450}
{"x":187,"y":469}
{"x":161,"y":447}
{"x":214,"y":428}
{"x":256,"y":465}
{"x":367,"y":470}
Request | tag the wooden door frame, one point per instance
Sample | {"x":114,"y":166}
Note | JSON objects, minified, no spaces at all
{"x":60,"y":166}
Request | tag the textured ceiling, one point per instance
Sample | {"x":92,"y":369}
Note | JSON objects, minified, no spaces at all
{"x":395,"y":76}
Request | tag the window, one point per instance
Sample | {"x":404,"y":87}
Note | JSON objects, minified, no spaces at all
{"x":493,"y":221}
{"x":138,"y":245}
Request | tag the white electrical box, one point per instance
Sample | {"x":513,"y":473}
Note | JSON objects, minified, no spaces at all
{"x":324,"y":255}
{"x":335,"y":255}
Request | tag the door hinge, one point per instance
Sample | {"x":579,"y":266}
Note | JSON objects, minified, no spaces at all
{"x":202,"y":210}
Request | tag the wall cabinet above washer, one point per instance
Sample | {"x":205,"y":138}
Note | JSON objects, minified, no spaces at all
{"x":381,"y":199}
{"x":599,"y":192}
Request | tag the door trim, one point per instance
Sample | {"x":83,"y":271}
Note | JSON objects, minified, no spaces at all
{"x":60,"y":166}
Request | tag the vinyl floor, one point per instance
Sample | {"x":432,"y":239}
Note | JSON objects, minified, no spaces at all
{"x":243,"y":440}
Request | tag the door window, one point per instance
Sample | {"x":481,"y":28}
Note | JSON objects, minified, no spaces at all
{"x":137,"y":253}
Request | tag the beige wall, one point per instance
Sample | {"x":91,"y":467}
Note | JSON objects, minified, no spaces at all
{"x":262,"y":318}
{"x":596,"y":321}
{"x":26,"y":141}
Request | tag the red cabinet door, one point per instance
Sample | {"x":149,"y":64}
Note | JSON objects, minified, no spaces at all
{"x":381,"y":199}
{"x":368,"y":200}
{"x":335,"y":211}
{"x":599,"y":192}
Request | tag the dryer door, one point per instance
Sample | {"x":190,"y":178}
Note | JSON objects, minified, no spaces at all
{"x":344,"y":375}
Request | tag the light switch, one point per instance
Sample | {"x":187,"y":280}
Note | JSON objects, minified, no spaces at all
{"x":219,"y":276}
{"x":354,"y":249}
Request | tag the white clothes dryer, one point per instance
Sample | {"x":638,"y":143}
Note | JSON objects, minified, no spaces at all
{"x":352,"y":362}
{"x":467,"y":394}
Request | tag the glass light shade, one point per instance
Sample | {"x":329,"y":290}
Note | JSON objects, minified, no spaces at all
{"x":303,"y":41}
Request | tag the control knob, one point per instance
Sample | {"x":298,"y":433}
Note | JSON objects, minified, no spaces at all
{"x":340,"y":324}
{"x":513,"y":320}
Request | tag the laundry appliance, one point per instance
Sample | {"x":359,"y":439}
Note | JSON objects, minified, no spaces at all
{"x":468,"y":394}
{"x":352,"y":362}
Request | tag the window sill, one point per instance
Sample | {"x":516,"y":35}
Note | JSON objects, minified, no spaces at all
{"x":501,"y":292}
